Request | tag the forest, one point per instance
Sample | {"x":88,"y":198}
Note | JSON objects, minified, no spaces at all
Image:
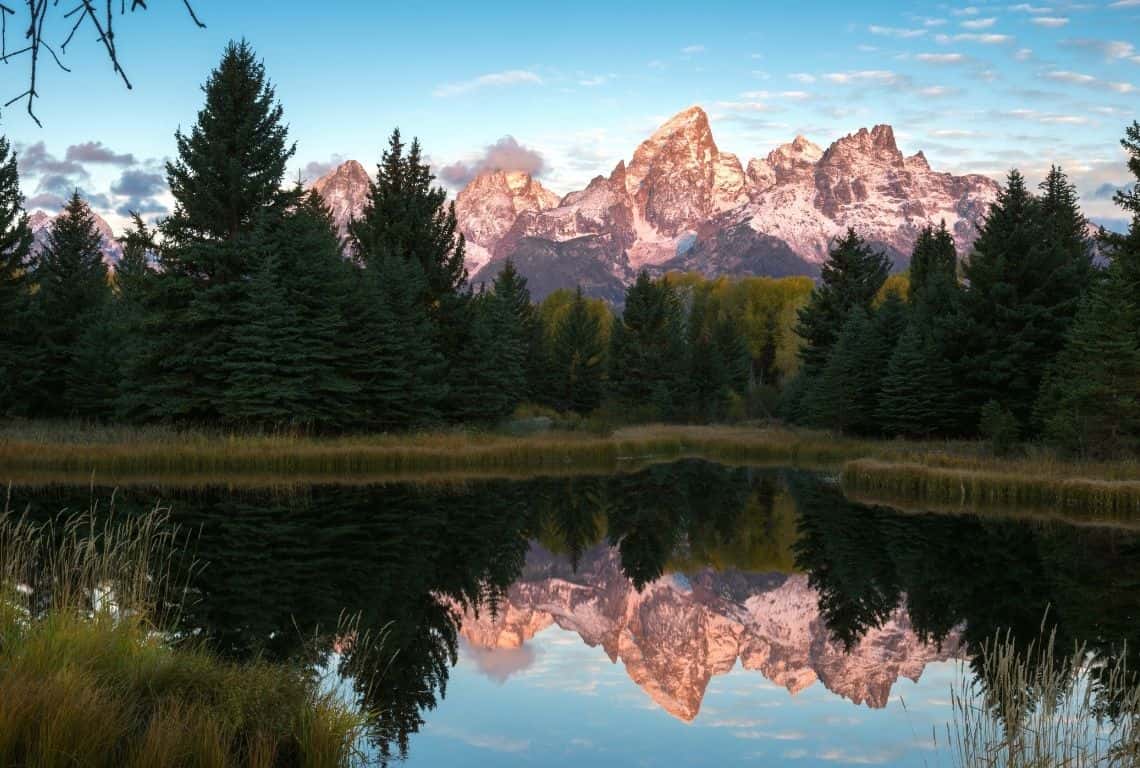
{"x":244,"y":309}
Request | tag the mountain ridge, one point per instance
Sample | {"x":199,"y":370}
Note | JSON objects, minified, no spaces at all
{"x":680,"y":202}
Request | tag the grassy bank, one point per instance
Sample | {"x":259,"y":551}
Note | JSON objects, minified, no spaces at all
{"x":88,"y":676}
{"x":115,"y":454}
{"x":1093,"y":492}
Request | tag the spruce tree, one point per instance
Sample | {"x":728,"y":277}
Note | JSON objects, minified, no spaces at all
{"x":934,"y":257}
{"x":1025,"y":277}
{"x":845,"y":396}
{"x":226,"y":180}
{"x":577,"y":359}
{"x":396,"y":369}
{"x":514,"y":336}
{"x":648,"y":355}
{"x":406,"y":217}
{"x":917,"y":387}
{"x":1090,"y":401}
{"x":851,"y":277}
{"x":73,"y":291}
{"x":15,"y":250}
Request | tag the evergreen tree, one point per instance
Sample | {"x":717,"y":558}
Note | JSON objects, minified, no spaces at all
{"x":934,"y":257}
{"x":1090,"y":402}
{"x":230,"y":167}
{"x":851,"y":277}
{"x":648,"y":356}
{"x":15,"y":250}
{"x":514,"y":336}
{"x":395,"y":366}
{"x":408,"y":218}
{"x":844,"y":397}
{"x":226,"y":180}
{"x":1025,"y":277}
{"x":577,"y":359}
{"x":73,"y":291}
{"x":1125,"y":249}
{"x":917,"y":387}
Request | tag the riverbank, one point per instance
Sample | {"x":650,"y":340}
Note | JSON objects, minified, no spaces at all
{"x":954,"y":475}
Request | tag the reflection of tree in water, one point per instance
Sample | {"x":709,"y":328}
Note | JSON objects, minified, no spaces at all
{"x":992,"y":577}
{"x":283,"y":569}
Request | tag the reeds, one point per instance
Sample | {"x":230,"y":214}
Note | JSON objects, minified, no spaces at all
{"x":1036,"y":708}
{"x":1092,"y":492}
{"x":90,"y":674}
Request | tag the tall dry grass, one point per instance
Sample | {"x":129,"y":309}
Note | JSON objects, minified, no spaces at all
{"x":1037,"y":707}
{"x":89,"y":675}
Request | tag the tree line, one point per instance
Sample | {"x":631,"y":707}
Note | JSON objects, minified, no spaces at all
{"x":244,"y":308}
{"x":1030,"y":337}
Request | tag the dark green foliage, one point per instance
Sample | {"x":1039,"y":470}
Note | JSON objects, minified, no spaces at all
{"x":851,"y":277}
{"x":230,"y":167}
{"x":647,"y":348}
{"x":935,"y":258}
{"x":1090,"y":401}
{"x":15,"y":248}
{"x":73,"y":292}
{"x":395,"y":366}
{"x":514,"y":320}
{"x":1000,"y":426}
{"x":408,"y":218}
{"x":577,"y":359}
{"x":226,"y":183}
{"x":1029,"y":268}
{"x":918,"y":390}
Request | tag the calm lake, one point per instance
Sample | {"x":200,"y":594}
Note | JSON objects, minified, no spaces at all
{"x":685,"y":614}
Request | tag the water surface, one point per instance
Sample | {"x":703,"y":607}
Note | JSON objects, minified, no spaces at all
{"x":687,"y":614}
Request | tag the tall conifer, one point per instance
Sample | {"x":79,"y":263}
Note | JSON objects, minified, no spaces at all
{"x":15,"y":250}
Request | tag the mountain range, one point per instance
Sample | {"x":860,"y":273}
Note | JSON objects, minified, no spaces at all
{"x":679,"y":631}
{"x":41,"y":223}
{"x":681,"y":203}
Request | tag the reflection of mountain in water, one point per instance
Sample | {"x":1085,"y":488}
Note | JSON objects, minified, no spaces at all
{"x":678,"y":632}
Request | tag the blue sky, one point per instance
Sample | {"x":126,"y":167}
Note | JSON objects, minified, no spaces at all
{"x":980,"y":88}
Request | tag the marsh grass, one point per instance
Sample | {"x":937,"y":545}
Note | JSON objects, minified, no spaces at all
{"x":1104,"y":492}
{"x":89,"y":674}
{"x":113,"y":453}
{"x":1035,"y":707}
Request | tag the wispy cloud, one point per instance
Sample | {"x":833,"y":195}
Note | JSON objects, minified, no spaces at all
{"x":1027,"y":8}
{"x":802,"y":77}
{"x":689,"y":50}
{"x":901,"y":32}
{"x":979,"y":23}
{"x":940,"y":58}
{"x":1052,"y":22}
{"x":491,"y":80}
{"x":878,"y":76}
{"x":1078,"y":78}
{"x":985,"y":38}
{"x":1045,"y":118}
{"x":1110,"y":49}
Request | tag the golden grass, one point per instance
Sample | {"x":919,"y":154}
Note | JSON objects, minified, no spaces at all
{"x":1077,"y":491}
{"x":89,"y":677}
{"x":1036,"y":707}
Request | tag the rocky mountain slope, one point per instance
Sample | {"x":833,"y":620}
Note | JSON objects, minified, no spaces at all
{"x":41,"y":224}
{"x":682,"y":203}
{"x":677,"y":633}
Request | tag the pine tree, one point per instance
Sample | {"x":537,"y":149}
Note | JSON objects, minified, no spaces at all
{"x":1025,"y":277}
{"x":396,"y":368}
{"x":226,"y":180}
{"x":408,"y":218}
{"x":577,"y":359}
{"x":648,"y":356}
{"x":514,"y":335}
{"x":917,"y":387}
{"x":844,"y":398}
{"x":934,"y":257}
{"x":230,"y":167}
{"x":851,"y":277}
{"x":1090,"y":402}
{"x":15,"y":250}
{"x":73,"y":291}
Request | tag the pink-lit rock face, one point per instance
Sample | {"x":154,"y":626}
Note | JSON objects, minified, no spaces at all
{"x":682,"y":203}
{"x":679,"y":632}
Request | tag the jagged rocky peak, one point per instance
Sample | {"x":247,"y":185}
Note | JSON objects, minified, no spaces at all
{"x":345,"y":191}
{"x":877,"y":144}
{"x":489,"y":206}
{"x":41,"y":222}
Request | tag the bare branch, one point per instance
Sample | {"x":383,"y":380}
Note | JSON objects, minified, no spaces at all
{"x":41,"y":13}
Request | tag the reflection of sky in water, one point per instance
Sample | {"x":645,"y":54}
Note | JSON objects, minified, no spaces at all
{"x":559,"y":702}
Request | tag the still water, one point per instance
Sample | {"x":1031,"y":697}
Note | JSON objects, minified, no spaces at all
{"x":686,"y":614}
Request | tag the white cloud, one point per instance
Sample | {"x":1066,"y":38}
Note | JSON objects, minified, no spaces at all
{"x":1027,"y":8}
{"x":1125,"y":4}
{"x":1110,"y":49}
{"x":1046,"y":119}
{"x":880,"y":76}
{"x":594,"y":80}
{"x":689,"y":50}
{"x":940,"y":58}
{"x":979,"y":23}
{"x":985,"y":38}
{"x":875,"y":29}
{"x":936,"y":91}
{"x":952,"y":133}
{"x":491,"y":80}
{"x":1078,"y":78}
{"x":802,"y":77}
{"x":1052,"y":22}
{"x":1024,"y":54}
{"x":969,"y":10}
